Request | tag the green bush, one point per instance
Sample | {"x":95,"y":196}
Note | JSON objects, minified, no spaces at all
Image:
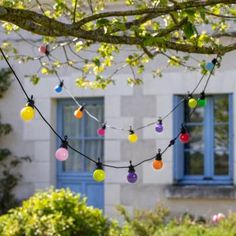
{"x":63,"y":213}
{"x":143,"y":222}
{"x":55,"y":213}
{"x":157,"y":223}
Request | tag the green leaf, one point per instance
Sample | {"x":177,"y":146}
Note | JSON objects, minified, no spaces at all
{"x":174,"y":61}
{"x":134,"y":81}
{"x":102,"y":22}
{"x":189,"y":30}
{"x":96,"y":61}
{"x":34,"y":79}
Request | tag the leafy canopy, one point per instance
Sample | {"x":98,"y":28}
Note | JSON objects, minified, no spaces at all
{"x":99,"y":38}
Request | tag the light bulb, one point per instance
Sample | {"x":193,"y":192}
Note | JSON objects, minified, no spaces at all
{"x":58,"y":88}
{"x":43,"y":49}
{"x":209,"y":66}
{"x":62,"y":154}
{"x":201,"y":102}
{"x":192,"y":102}
{"x":99,"y":175}
{"x":101,"y":131}
{"x":78,"y":113}
{"x":132,"y":176}
{"x":158,"y":163}
{"x":27,"y":113}
{"x":159,"y":127}
{"x":184,"y":137}
{"x":133,"y":138}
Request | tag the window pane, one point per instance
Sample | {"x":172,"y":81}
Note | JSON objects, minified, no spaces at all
{"x":221,"y":163}
{"x":221,"y":111}
{"x":74,"y":163}
{"x":94,"y":149}
{"x":193,"y":163}
{"x":221,"y":136}
{"x":196,"y":137}
{"x":91,"y":125}
{"x":196,"y":116}
{"x":71,"y":125}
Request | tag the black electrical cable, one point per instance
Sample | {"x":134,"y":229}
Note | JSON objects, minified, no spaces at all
{"x":21,"y":85}
{"x":172,"y":142}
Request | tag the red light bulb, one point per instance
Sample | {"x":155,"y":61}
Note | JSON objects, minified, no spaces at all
{"x":184,"y":137}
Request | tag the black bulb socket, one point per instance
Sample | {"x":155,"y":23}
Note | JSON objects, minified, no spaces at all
{"x":183,"y":130}
{"x":82,"y":108}
{"x":30,"y":102}
{"x":131,"y":168}
{"x":64,"y":143}
{"x":99,"y":165}
{"x":131,"y":131}
{"x":61,"y":84}
{"x":214,"y":61}
{"x":202,"y":96}
{"x":158,"y":155}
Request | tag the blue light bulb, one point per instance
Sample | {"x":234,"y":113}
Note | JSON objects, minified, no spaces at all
{"x":209,"y":66}
{"x":58,"y":88}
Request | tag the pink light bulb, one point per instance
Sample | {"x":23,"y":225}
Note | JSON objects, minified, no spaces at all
{"x":101,"y":131}
{"x":61,"y":154}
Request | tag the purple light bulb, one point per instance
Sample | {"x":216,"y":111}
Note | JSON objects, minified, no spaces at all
{"x":159,"y":127}
{"x":62,"y":154}
{"x":132,"y":177}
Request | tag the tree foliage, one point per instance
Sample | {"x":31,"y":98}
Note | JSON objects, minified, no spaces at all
{"x":98,"y":41}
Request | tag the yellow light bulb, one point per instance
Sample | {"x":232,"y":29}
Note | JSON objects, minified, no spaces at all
{"x":133,"y":138}
{"x":192,"y":103}
{"x":27,"y":113}
{"x":99,"y":175}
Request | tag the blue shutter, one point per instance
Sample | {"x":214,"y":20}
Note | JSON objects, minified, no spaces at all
{"x":178,"y":118}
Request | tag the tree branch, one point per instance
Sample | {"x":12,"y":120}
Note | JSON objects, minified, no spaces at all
{"x":43,"y":25}
{"x":157,"y":10}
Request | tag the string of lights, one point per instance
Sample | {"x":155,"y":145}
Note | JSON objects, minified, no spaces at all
{"x":62,"y":154}
{"x":44,"y":50}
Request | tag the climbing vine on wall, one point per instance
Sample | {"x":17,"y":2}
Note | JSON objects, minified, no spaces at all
{"x":9,"y":174}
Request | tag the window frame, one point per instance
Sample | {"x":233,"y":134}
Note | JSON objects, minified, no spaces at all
{"x":208,"y":177}
{"x":60,"y":128}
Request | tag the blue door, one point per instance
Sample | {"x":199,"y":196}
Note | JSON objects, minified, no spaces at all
{"x":76,"y":172}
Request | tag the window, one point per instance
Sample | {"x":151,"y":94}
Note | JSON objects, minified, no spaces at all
{"x":208,"y":157}
{"x":82,"y":134}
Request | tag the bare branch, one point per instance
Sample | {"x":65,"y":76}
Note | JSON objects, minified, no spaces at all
{"x":75,"y":8}
{"x":219,"y":15}
{"x":43,"y":25}
{"x":157,"y":10}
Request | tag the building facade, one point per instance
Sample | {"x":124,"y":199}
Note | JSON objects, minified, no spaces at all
{"x":198,"y":177}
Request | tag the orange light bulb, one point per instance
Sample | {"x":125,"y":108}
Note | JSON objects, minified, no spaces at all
{"x":157,"y":164}
{"x":78,"y":113}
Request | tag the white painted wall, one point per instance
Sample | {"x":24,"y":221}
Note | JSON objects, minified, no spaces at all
{"x":36,"y":140}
